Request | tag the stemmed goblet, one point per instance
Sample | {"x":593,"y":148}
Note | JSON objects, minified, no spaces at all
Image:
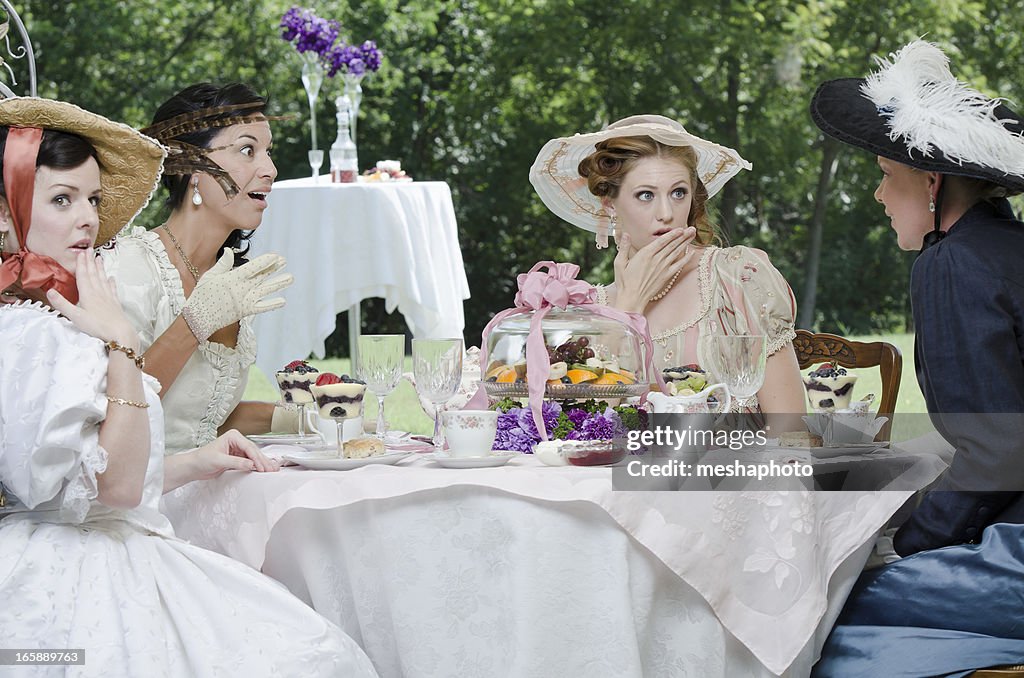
{"x":316,"y":159}
{"x":437,"y":368}
{"x":380,"y":366}
{"x":737,"y":360}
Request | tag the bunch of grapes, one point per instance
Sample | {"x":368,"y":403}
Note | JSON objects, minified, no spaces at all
{"x":571,"y":352}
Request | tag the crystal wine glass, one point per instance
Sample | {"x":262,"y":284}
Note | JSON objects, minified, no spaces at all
{"x":316,"y":159}
{"x":380,"y":358}
{"x":339,"y":398}
{"x":437,"y":367}
{"x":738,"y":361}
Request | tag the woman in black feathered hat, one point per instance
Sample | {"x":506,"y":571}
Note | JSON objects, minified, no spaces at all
{"x":949,"y":158}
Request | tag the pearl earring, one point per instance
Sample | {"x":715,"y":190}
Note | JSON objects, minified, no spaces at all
{"x":197,"y":199}
{"x":3,"y":240}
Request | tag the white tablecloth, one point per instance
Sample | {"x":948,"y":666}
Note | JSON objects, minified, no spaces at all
{"x":348,"y":242}
{"x":436,"y":567}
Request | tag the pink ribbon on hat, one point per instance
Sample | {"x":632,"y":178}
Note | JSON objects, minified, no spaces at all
{"x":32,"y":271}
{"x":539,"y":292}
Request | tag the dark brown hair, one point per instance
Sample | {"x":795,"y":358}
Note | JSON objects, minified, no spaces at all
{"x":607,"y":167}
{"x":57,"y":150}
{"x":194,"y":98}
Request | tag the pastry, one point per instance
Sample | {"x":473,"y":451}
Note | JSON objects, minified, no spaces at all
{"x":361,"y":448}
{"x":799,"y":439}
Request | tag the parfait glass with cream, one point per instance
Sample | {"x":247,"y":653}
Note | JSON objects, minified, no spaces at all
{"x":340,"y":399}
{"x":295,"y":382}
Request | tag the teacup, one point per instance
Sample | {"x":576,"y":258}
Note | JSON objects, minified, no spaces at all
{"x":351,"y":428}
{"x":470,"y":433}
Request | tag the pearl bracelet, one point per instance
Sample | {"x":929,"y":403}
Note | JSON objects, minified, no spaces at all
{"x":139,"y":360}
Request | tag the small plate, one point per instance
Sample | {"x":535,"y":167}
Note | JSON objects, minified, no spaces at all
{"x":323,"y":462}
{"x":308,"y":440}
{"x":496,"y":458}
{"x":850,"y":449}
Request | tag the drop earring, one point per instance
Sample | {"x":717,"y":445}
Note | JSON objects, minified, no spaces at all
{"x":931,"y":205}
{"x":3,"y":240}
{"x":197,"y":199}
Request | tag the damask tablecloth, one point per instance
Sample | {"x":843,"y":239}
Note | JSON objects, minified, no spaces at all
{"x":759,"y":568}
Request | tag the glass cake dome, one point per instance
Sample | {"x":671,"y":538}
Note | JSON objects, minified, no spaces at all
{"x":590,"y":356}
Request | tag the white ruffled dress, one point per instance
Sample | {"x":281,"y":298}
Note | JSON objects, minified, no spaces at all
{"x":118,"y":583}
{"x":212,"y":382}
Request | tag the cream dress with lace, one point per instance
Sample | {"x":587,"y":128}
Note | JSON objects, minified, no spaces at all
{"x":740,"y":293}
{"x":213,"y":380}
{"x":77,"y":574}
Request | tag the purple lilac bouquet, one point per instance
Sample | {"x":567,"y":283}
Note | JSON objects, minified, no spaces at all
{"x":354,"y":59}
{"x":588,"y":420}
{"x":311,"y":33}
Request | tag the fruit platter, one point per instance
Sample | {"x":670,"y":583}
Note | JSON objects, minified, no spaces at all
{"x":589,"y":356}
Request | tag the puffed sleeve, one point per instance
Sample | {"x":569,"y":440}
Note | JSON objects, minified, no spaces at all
{"x":51,"y":402}
{"x":967,"y":321}
{"x":138,"y":275}
{"x":758,"y":297}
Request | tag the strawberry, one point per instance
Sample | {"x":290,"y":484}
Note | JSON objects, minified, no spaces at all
{"x":293,"y":364}
{"x":327,"y":378}
{"x":826,"y":366}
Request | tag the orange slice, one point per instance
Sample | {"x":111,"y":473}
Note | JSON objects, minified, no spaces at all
{"x":612,"y":378}
{"x":507,"y":376}
{"x":628,"y":375}
{"x":580,"y":376}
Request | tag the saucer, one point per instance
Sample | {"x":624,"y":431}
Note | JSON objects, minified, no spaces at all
{"x":320,"y":461}
{"x":307,"y":440}
{"x":496,"y":458}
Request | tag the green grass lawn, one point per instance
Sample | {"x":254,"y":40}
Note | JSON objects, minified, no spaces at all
{"x":404,"y":412}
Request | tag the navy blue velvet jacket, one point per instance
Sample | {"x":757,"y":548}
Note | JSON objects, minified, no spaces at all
{"x":968,"y":302}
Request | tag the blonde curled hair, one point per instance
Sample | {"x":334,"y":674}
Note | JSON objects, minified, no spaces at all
{"x":607,"y":167}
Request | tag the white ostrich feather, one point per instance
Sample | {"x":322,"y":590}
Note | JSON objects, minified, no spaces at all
{"x":928,"y":108}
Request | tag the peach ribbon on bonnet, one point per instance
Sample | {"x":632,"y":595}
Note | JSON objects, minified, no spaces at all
{"x":37,"y":272}
{"x":540,"y":291}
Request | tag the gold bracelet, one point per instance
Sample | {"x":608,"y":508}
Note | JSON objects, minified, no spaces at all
{"x":140,"y":361}
{"x":130,"y":403}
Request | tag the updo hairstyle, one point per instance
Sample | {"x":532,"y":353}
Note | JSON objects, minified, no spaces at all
{"x":607,"y":167}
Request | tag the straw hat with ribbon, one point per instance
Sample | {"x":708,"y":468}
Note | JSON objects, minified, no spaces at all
{"x":129,"y":164}
{"x":914,"y":111}
{"x":556,"y":178}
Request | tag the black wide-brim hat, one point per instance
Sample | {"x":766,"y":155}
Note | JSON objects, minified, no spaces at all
{"x":842,"y":111}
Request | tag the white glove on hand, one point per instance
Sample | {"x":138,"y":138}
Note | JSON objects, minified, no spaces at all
{"x":884,"y":552}
{"x":225,"y":295}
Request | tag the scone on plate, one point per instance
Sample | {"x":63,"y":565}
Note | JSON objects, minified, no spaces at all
{"x":361,"y":448}
{"x":799,"y":439}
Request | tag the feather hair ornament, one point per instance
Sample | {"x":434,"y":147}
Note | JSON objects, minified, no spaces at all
{"x":929,"y":109}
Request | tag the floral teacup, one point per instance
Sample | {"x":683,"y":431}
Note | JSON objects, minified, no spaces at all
{"x":470,"y":433}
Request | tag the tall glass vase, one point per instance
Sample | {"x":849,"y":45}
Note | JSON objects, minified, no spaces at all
{"x":312,"y":78}
{"x":354,"y":93}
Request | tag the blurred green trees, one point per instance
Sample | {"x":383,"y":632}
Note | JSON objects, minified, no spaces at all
{"x":471,"y":89}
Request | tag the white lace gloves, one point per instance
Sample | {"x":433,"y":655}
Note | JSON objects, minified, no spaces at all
{"x":225,"y":295}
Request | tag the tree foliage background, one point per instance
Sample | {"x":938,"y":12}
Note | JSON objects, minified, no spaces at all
{"x":471,"y":89}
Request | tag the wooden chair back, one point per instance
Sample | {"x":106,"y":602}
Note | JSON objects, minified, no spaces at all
{"x":812,"y":349}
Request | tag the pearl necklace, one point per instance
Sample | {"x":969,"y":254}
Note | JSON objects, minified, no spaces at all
{"x":195,"y":271}
{"x":662,"y":293}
